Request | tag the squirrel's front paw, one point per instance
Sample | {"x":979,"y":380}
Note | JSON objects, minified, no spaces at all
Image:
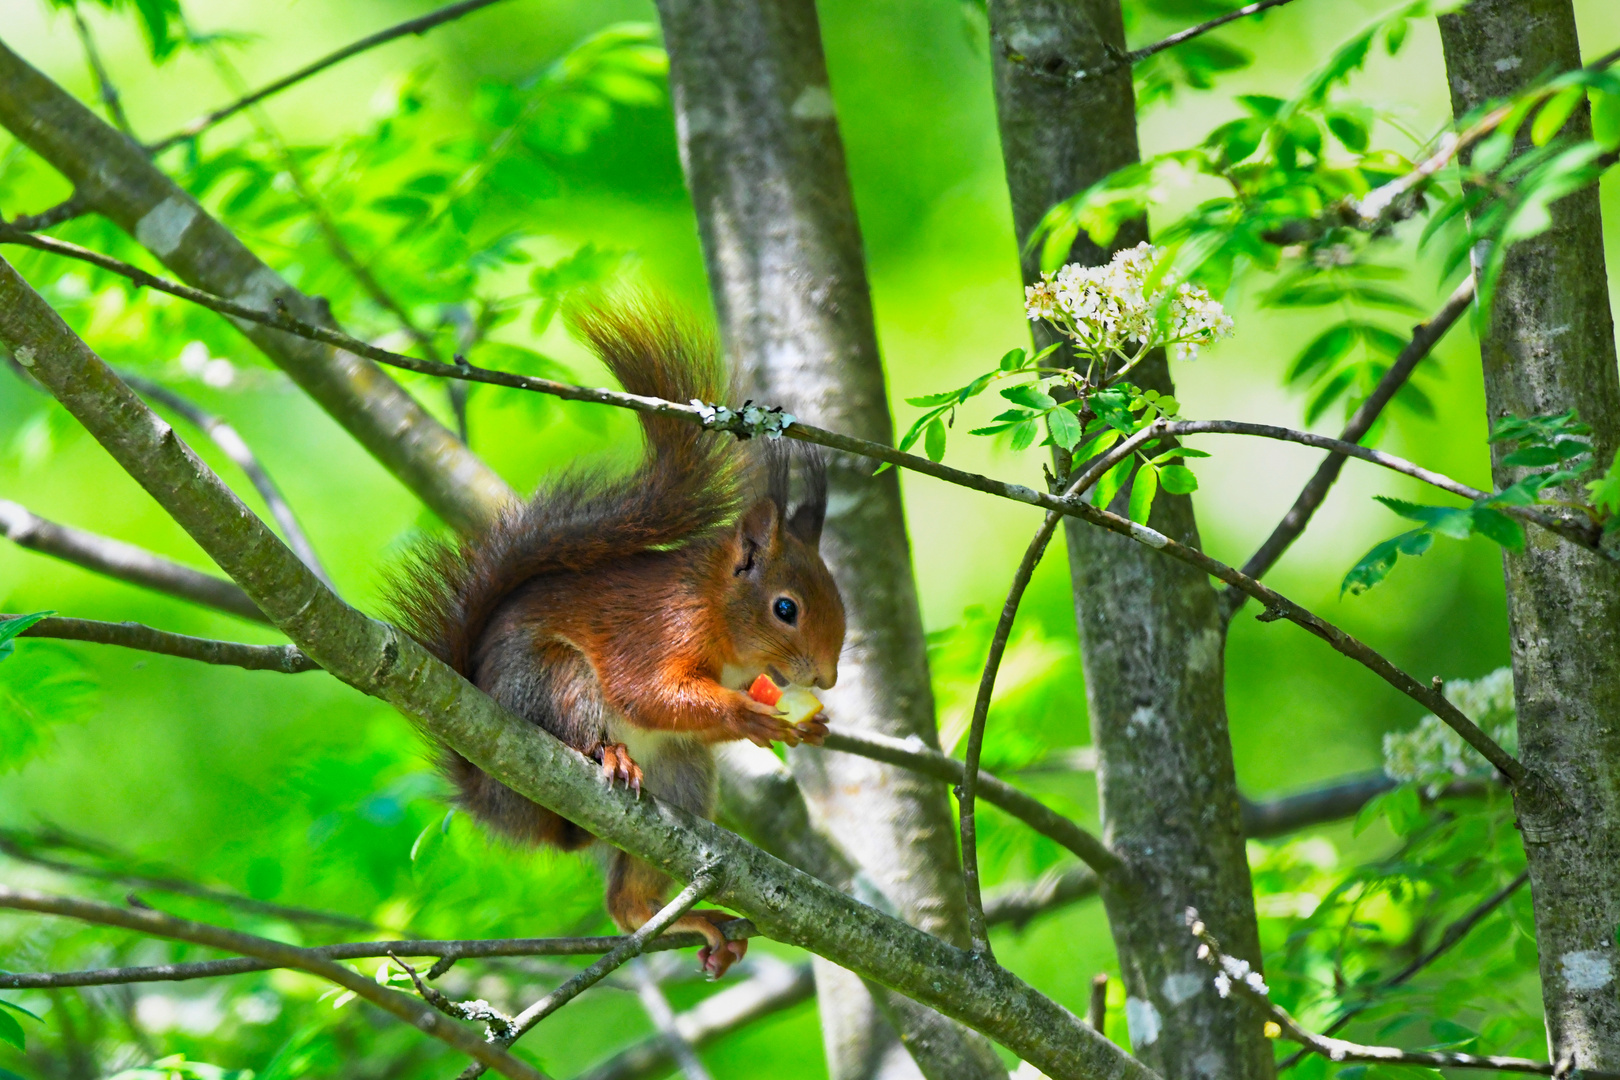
{"x":761,"y":724}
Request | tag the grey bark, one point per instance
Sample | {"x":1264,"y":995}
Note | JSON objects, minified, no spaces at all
{"x":376,"y":659}
{"x":760,"y":145}
{"x":126,"y":562}
{"x":1151,"y":635}
{"x":1550,"y":347}
{"x":117,"y":180}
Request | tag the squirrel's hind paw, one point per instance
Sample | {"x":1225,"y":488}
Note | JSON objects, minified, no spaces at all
{"x":616,"y":765}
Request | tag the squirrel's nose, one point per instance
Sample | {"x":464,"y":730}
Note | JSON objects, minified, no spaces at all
{"x":827,"y":677}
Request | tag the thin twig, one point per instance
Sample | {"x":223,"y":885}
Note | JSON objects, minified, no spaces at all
{"x":778,"y":986}
{"x":912,"y":754}
{"x":1136,"y":56}
{"x":1452,"y":934}
{"x":1234,"y":977}
{"x":123,"y":561}
{"x":1546,"y":802}
{"x":495,"y":1022}
{"x":69,"y":208}
{"x":1425,"y":336}
{"x":158,"y":924}
{"x":287,"y":659}
{"x":703,"y":883}
{"x":663,"y":1018}
{"x":736,"y":930}
{"x":236,"y":448}
{"x":1583,"y":533}
{"x":19,"y":844}
{"x":104,"y":83}
{"x":411,"y":26}
{"x":338,"y":244}
{"x":1097,"y":1011}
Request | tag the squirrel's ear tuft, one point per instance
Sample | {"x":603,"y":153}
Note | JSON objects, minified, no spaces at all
{"x":811,"y":514}
{"x":758,"y":535}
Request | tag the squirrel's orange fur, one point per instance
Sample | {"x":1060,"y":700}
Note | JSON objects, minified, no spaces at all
{"x":624,"y":615}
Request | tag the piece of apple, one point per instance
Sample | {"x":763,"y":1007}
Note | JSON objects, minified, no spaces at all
{"x":796,"y":705}
{"x":765,"y":691}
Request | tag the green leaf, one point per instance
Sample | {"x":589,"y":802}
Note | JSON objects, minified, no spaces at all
{"x":1064,"y":428}
{"x":1031,"y":395}
{"x":1446,"y":520}
{"x":1111,"y":482}
{"x":1537,"y":455}
{"x":934,"y":444}
{"x":1012,"y":361}
{"x":1113,"y":407}
{"x":1143,"y":489}
{"x":1499,"y":527}
{"x":917,"y":428}
{"x":926,"y":400}
{"x":1555,"y":113}
{"x":14,"y":1007}
{"x":9,"y":629}
{"x":1326,"y":348}
{"x":1024,"y":434}
{"x":1377,"y":563}
{"x":11,"y":1031}
{"x":1178,"y":479}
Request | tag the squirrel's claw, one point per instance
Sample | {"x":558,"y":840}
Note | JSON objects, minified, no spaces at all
{"x":616,"y":765}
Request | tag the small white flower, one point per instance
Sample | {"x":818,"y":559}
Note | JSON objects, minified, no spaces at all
{"x":1108,"y":309}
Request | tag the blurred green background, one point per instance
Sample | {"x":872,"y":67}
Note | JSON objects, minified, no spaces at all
{"x":300,"y":790}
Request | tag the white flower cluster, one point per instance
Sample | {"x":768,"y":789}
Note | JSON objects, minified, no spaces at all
{"x":1103,"y":309}
{"x":1433,"y":750}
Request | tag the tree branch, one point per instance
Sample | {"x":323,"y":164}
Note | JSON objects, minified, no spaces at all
{"x":287,"y":659}
{"x":778,"y":987}
{"x":377,"y":659}
{"x":158,"y":924}
{"x":19,"y":845}
{"x":1583,"y":533}
{"x":121,"y":183}
{"x":1136,"y":56}
{"x":419,"y":25}
{"x":1424,"y":338}
{"x":98,"y":70}
{"x":1026,"y":808}
{"x":236,"y":448}
{"x":704,"y":882}
{"x":736,"y":930}
{"x":1238,"y":979}
{"x":125,"y":562}
{"x":663,"y":1018}
{"x":1453,"y":934}
{"x":66,"y":210}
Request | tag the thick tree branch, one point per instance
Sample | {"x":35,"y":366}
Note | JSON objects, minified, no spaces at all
{"x":125,"y":562}
{"x":1424,"y":338}
{"x":158,"y":924}
{"x":132,"y":635}
{"x":419,"y":25}
{"x":236,"y":448}
{"x":119,"y":181}
{"x":376,"y":659}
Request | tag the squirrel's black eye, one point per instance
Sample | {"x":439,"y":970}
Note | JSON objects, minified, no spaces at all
{"x":786,"y":610}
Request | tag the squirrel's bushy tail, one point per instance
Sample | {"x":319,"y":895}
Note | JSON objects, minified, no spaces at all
{"x":686,"y":485}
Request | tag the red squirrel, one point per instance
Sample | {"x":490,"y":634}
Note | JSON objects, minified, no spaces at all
{"x":625,"y":614}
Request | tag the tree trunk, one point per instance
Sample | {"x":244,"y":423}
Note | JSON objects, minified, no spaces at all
{"x":763,"y":158}
{"x":1151,"y":636}
{"x":1549,"y":348}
